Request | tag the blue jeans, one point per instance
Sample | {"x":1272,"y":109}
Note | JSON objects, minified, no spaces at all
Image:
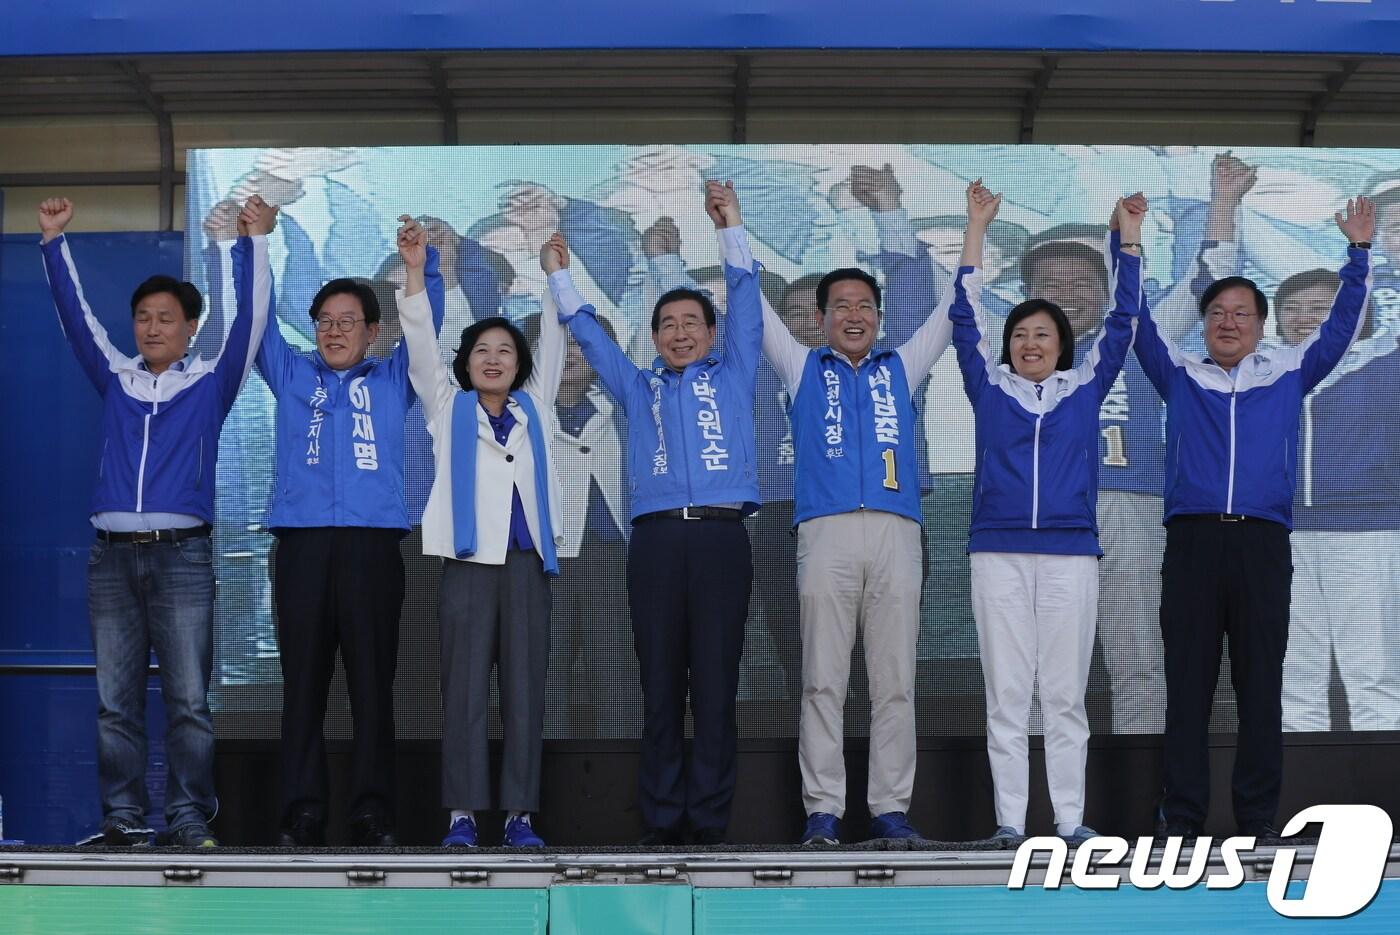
{"x":161,"y":596}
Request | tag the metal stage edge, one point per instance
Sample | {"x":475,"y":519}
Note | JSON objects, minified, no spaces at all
{"x":427,"y":868}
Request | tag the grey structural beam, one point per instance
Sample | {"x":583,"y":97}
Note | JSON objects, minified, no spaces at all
{"x":1335,"y":83}
{"x":165,"y":136}
{"x":1048,"y":64}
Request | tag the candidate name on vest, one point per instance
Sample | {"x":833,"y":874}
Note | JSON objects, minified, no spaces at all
{"x":853,"y":437}
{"x":464,"y":442}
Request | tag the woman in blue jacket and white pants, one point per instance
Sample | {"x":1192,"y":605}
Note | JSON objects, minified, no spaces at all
{"x":1034,"y":543}
{"x":493,"y":516}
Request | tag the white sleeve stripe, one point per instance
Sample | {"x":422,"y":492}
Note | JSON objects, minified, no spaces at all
{"x":116,"y":360}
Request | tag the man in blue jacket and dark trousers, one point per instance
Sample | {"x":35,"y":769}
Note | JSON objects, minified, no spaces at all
{"x":151,"y":571}
{"x":689,"y":567}
{"x":338,"y":511}
{"x":1232,"y":448}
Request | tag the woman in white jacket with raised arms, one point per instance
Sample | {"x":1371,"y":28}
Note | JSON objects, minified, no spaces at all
{"x":493,"y":517}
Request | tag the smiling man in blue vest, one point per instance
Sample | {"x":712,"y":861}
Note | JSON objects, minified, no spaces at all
{"x":859,"y":546}
{"x":693,"y":478}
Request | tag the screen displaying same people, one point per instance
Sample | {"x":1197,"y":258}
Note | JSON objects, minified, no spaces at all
{"x":636,"y":223}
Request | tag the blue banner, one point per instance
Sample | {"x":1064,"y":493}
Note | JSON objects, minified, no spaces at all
{"x":87,"y":27}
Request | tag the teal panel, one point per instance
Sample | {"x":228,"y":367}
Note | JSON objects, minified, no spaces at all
{"x":990,"y":909}
{"x":140,"y":910}
{"x":656,"y":909}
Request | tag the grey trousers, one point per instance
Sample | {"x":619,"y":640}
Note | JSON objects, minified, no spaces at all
{"x":1130,"y":592}
{"x":493,"y":615}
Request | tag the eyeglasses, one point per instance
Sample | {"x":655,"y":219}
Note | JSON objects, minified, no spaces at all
{"x":343,"y":325}
{"x":1217,"y":315}
{"x":845,"y":308}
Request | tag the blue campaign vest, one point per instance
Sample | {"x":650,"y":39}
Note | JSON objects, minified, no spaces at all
{"x":853,"y":436}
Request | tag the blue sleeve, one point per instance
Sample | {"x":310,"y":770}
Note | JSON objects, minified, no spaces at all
{"x":302,"y":276}
{"x":1117,"y":334}
{"x":437,"y":301}
{"x":603,"y":239}
{"x":85,"y":335}
{"x":211,"y":333}
{"x":968,"y":338}
{"x":909,"y":294}
{"x":1343,"y":324}
{"x":275,"y":355}
{"x":743,"y":332}
{"x":613,"y":367}
{"x":480,"y":282}
{"x":235,"y":360}
{"x":1154,"y":352}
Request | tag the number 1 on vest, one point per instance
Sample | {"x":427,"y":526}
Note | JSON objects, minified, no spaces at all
{"x":1115,"y":456}
{"x":891,"y":481}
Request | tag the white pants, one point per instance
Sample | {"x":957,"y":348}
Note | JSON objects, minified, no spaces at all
{"x":862,"y":572}
{"x":1035,"y":617}
{"x":1130,"y":594}
{"x":1346,"y":606}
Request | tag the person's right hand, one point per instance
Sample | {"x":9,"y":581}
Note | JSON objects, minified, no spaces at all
{"x":1128,"y":215}
{"x":257,"y":218}
{"x":554,"y":254}
{"x":662,"y":238}
{"x":1231,"y":178}
{"x":982,"y":205}
{"x":54,"y":215}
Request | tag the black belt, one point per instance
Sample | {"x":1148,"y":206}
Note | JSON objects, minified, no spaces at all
{"x":147,"y":536}
{"x":693,"y":512}
{"x":1221,"y":518}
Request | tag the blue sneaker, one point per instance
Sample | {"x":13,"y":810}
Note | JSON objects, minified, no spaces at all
{"x":1079,"y":836}
{"x":894,"y":825}
{"x":1007,"y":836}
{"x":462,"y":833}
{"x":822,"y":828}
{"x":520,"y":834}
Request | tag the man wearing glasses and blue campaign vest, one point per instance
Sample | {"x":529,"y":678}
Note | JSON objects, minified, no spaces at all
{"x":859,"y":545}
{"x":692,"y":476}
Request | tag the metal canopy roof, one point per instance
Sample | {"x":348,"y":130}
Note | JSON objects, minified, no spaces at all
{"x":454,"y":83}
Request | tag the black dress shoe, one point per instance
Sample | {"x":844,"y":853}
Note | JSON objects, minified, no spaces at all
{"x":371,"y":831}
{"x":1257,"y":829}
{"x":708,"y":837}
{"x":1180,"y":828}
{"x":661,"y":837}
{"x":304,"y":830}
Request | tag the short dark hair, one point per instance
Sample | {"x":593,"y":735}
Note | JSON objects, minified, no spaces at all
{"x":359,"y":288}
{"x":1261,"y":301}
{"x":769,"y":283}
{"x":184,"y":292}
{"x":841,"y":275}
{"x":1025,"y":310}
{"x":1060,"y":251}
{"x":679,"y":295}
{"x":472,"y":333}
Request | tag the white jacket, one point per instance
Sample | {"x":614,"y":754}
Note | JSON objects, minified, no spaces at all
{"x":499,"y":467}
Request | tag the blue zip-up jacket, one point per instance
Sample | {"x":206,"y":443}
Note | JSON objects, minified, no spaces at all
{"x":1232,"y":438}
{"x":690,"y":434}
{"x":853,"y":427}
{"x":1349,"y":457}
{"x":1036,"y":486}
{"x":340,"y":441}
{"x":160,"y":432}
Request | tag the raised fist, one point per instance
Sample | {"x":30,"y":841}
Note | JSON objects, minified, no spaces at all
{"x":54,"y":215}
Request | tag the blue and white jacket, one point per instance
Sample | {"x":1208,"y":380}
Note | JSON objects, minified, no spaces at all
{"x":340,"y":440}
{"x":160,"y":432}
{"x":853,"y":426}
{"x":1349,"y":457}
{"x":1232,"y":437}
{"x":1037,"y":484}
{"x":690,"y":434}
